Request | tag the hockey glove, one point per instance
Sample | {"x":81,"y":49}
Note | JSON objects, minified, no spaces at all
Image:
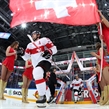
{"x":47,"y":54}
{"x":80,"y":89}
{"x":20,"y":51}
{"x":71,"y":88}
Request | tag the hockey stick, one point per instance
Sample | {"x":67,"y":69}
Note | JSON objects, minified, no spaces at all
{"x":29,"y":36}
{"x":60,"y":92}
{"x":59,"y":69}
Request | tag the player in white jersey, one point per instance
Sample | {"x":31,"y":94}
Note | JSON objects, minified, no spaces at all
{"x":40,"y":51}
{"x":77,"y":85}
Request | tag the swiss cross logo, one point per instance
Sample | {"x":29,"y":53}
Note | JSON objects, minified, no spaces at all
{"x":39,"y":50}
{"x":59,"y":6}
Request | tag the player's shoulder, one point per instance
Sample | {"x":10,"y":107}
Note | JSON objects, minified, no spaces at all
{"x":74,"y":80}
{"x":80,"y":79}
{"x":44,"y":38}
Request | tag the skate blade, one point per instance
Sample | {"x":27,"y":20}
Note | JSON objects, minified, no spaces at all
{"x":41,"y":105}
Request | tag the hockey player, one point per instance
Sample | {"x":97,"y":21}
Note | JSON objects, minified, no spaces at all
{"x":40,"y":51}
{"x":77,"y":85}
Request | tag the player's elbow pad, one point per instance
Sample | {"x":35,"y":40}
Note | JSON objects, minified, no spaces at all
{"x":54,"y":49}
{"x":26,"y":57}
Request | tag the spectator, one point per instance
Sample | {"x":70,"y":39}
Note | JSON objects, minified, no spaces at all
{"x":52,"y":83}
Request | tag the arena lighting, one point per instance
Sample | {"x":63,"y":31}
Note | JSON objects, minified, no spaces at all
{"x":23,"y":25}
{"x":94,"y":36}
{"x":12,"y":14}
{"x":31,"y":1}
{"x":105,"y":4}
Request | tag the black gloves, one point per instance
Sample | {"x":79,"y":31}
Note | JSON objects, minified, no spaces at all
{"x":47,"y":54}
{"x":20,"y":51}
{"x":80,"y":88}
{"x":71,"y":88}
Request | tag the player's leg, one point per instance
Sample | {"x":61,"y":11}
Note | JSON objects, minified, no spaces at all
{"x":75,"y":95}
{"x":38,"y":74}
{"x":80,"y":94}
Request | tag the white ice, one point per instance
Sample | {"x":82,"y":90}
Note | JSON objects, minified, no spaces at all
{"x":17,"y":104}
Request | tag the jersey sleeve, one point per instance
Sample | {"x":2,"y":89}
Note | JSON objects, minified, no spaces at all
{"x":27,"y":56}
{"x":49,"y":45}
{"x":82,"y":83}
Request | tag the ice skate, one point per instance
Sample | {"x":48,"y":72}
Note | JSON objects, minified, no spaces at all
{"x":41,"y":102}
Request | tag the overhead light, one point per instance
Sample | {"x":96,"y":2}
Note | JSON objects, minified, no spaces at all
{"x":23,"y":25}
{"x":12,"y":14}
{"x":31,"y":1}
{"x":95,"y":37}
{"x":105,"y":4}
{"x":40,"y":26}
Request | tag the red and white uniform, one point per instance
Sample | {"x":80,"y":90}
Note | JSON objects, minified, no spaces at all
{"x":9,"y":61}
{"x":76,"y":84}
{"x":28,"y":71}
{"x":35,"y":50}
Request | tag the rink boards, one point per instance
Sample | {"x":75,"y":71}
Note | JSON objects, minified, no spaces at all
{"x":68,"y":95}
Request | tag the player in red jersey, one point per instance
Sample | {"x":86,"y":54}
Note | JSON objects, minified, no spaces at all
{"x":27,"y":77}
{"x":8,"y":66}
{"x":105,"y":71}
